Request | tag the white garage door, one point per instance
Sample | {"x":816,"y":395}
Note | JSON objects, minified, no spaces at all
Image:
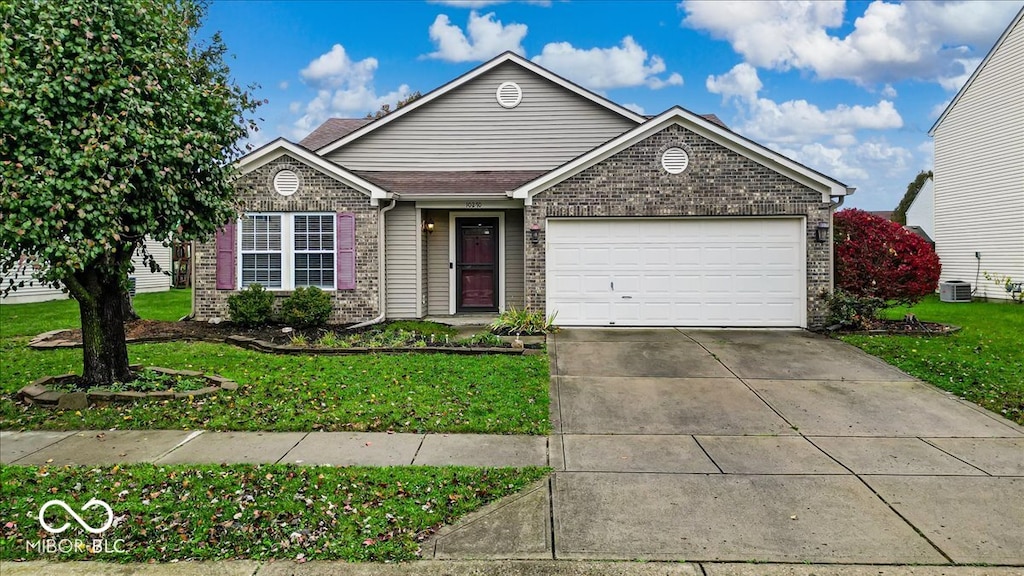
{"x":676,"y":272}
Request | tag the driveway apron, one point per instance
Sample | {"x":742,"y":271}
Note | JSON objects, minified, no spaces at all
{"x":769,"y":446}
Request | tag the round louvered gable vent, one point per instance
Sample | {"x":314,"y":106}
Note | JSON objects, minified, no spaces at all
{"x":286,"y":182}
{"x":509,"y":94}
{"x":675,"y":160}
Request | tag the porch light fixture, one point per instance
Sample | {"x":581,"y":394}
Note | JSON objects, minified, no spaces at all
{"x":535,"y":234}
{"x":428,"y":226}
{"x":821,"y":232}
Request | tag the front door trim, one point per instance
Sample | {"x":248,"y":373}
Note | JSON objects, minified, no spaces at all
{"x":452,"y":277}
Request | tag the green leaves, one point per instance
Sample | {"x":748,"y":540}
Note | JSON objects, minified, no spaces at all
{"x":111,"y":131}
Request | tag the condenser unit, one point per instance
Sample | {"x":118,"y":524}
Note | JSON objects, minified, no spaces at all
{"x":955,"y":291}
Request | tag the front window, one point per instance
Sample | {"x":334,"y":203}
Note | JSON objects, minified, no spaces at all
{"x":286,"y":251}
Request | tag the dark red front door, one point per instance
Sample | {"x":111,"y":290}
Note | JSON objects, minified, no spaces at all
{"x":476,"y":264}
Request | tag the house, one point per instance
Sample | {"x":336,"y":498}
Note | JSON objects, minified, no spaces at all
{"x":979,"y":171}
{"x":145,"y":281}
{"x":511,"y":186}
{"x":921,"y":213}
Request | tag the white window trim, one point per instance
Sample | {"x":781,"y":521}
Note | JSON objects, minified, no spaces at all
{"x":287,"y":249}
{"x":451,"y":255}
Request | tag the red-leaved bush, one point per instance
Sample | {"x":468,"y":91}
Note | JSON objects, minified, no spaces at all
{"x":879,"y":258}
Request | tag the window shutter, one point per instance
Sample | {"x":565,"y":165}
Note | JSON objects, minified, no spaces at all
{"x":226,"y":251}
{"x":346,"y":251}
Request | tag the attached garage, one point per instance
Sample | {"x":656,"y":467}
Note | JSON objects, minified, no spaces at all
{"x":743,"y":272}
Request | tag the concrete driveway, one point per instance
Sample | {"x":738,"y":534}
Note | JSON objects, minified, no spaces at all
{"x":774,"y":446}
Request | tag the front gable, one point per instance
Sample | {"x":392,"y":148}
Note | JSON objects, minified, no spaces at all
{"x":463,"y":126}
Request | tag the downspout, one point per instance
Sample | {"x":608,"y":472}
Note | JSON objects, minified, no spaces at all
{"x":383,"y":281}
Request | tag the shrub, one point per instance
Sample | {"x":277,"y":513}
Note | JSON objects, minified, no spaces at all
{"x":517,"y":322}
{"x":307,"y":307}
{"x":880,"y":259}
{"x":252,"y":306}
{"x":850,"y":311}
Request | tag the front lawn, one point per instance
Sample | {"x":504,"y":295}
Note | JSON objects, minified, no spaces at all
{"x":401,"y":392}
{"x":167,"y":513}
{"x":983,"y":363}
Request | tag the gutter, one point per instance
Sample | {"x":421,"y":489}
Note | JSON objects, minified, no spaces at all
{"x":383,"y":281}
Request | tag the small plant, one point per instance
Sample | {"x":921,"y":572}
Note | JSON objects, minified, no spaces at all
{"x":1014,"y":289}
{"x":852,"y":311}
{"x":306,"y":307}
{"x":299,"y":341}
{"x":482,"y":339}
{"x":424,"y":328}
{"x":519,"y":321}
{"x":329,"y":340}
{"x":252,"y":306}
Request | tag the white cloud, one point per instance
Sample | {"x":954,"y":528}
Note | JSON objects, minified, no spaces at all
{"x":602,"y":68}
{"x":634,"y":107}
{"x":856,"y":164}
{"x":927,"y":150}
{"x":933,"y":41}
{"x":487,"y":37}
{"x":283,"y":85}
{"x":889,"y":92}
{"x":484,"y":3}
{"x":344,"y":88}
{"x":938,"y":109}
{"x":741,"y":81}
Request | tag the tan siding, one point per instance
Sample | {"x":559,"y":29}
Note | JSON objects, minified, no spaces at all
{"x":979,"y":174}
{"x":466,"y":129}
{"x":437,"y":264}
{"x":145,"y":281}
{"x":514,"y":238}
{"x":401,"y":235}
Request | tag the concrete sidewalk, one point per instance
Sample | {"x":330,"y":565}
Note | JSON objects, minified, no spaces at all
{"x":98,"y":448}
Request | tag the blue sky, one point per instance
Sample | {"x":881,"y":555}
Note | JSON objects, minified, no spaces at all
{"x":848,"y":88}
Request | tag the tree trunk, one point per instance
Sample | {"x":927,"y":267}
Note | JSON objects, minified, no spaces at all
{"x":101,"y":301}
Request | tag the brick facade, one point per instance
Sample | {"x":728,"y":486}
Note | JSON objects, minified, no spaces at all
{"x":717,"y":182}
{"x":317,"y":193}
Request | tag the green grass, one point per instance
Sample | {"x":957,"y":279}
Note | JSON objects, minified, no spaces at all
{"x":405,"y":392}
{"x":39,"y":317}
{"x":983,"y":363}
{"x":248,"y":512}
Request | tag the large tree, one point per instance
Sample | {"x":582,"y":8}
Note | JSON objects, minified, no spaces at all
{"x":116,"y":122}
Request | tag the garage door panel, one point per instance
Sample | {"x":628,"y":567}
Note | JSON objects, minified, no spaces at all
{"x":682,"y":272}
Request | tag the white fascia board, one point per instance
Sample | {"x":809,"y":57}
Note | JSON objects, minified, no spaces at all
{"x":967,"y":85}
{"x":469,"y":76}
{"x":281,"y":147}
{"x":676,"y":115}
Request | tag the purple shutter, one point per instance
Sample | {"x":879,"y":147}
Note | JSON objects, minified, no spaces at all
{"x":226,"y":254}
{"x":346,"y":251}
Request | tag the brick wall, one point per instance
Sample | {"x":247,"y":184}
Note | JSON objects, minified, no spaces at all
{"x":317,"y":193}
{"x":717,"y":182}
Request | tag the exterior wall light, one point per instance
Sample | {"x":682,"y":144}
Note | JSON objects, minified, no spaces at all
{"x":535,"y":234}
{"x":428,"y":226}
{"x":821,"y":232}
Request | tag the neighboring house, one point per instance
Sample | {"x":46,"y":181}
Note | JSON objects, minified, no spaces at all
{"x":921,"y":213}
{"x":884,"y":214}
{"x":979,"y":171}
{"x":511,"y":186}
{"x":145,"y":281}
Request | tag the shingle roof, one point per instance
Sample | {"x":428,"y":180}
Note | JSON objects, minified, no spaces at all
{"x":426,"y":183}
{"x":331,"y":130}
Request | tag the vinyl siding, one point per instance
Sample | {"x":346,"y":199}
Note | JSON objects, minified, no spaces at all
{"x":979,"y":174}
{"x":514,"y":265}
{"x":401,"y":234}
{"x":922,"y":209}
{"x":467,"y":129}
{"x":437,"y":264}
{"x":145,"y":281}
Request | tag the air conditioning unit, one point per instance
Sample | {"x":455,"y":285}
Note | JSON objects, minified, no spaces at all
{"x":955,"y":291}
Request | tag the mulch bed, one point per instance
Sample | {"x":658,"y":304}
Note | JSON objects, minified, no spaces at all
{"x":143,"y":330}
{"x":908,"y":326}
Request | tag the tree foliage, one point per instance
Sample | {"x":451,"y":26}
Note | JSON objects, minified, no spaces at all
{"x":116,"y":124}
{"x":879,"y":258}
{"x":900,"y":214}
{"x":385,"y":109}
